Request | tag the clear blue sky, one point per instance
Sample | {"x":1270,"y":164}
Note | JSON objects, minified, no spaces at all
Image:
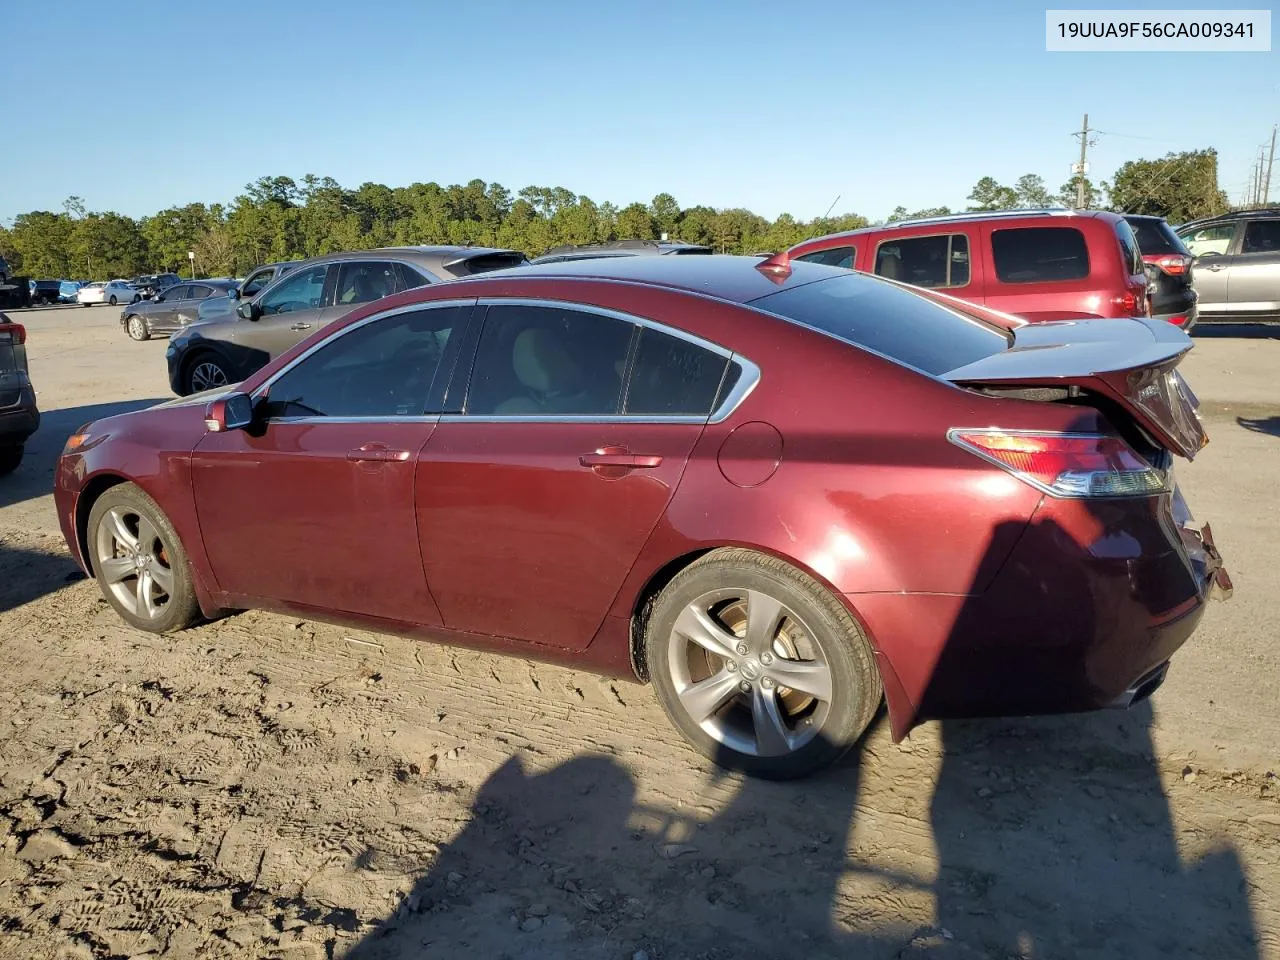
{"x":769,"y":105}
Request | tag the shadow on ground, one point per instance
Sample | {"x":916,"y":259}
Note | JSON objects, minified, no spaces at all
{"x":27,"y":575}
{"x":34,"y":478}
{"x":1267,"y":425}
{"x":1249,"y":331}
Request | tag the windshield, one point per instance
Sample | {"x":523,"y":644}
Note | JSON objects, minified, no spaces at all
{"x":890,"y":320}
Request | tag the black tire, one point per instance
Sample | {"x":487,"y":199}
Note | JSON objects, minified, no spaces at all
{"x":181,"y":609}
{"x":10,"y":457}
{"x":200,"y":362}
{"x":856,"y":691}
{"x":136,"y":298}
{"x":112,"y":301}
{"x":142,"y":332}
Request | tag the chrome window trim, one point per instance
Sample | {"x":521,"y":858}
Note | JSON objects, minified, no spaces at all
{"x":748,"y":378}
{"x":263,"y":387}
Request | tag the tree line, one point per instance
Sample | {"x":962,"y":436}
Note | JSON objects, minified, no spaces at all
{"x":279,"y":218}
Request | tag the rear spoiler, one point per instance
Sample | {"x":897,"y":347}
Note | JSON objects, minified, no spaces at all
{"x":1130,"y":361}
{"x":473,"y":259}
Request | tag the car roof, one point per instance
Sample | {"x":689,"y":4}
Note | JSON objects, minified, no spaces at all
{"x":1048,"y":213}
{"x":1266,"y":213}
{"x":725,"y":277}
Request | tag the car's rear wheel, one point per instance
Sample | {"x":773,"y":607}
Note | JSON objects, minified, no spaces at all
{"x":112,"y":301}
{"x":206,"y":372}
{"x":759,"y":666}
{"x":10,"y":457}
{"x":139,"y":561}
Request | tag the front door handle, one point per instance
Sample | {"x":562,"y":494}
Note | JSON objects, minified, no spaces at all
{"x":301,"y":326}
{"x":377,"y":453}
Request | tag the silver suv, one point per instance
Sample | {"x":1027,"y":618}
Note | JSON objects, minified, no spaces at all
{"x":1237,"y":265}
{"x":312,"y":295}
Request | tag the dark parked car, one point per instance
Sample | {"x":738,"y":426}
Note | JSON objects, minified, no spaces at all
{"x":1237,"y":268}
{"x":152,"y":284}
{"x":655,"y":467}
{"x":19,"y":416}
{"x":1173,"y":299}
{"x":218,"y":307}
{"x":313,"y":294}
{"x":621,"y":248}
{"x":172,"y":309}
{"x":1036,"y":264}
{"x":45,"y":291}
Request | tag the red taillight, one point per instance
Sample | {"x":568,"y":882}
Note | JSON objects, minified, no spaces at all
{"x":1131,"y":303}
{"x":1066,"y":464}
{"x":1178,"y":321}
{"x":17,"y":332}
{"x":1174,"y":265}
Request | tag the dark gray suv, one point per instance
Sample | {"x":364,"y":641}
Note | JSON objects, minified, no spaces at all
{"x":19,"y":416}
{"x":313,"y":294}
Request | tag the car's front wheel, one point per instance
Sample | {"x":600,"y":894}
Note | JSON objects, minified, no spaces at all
{"x":137,"y":328}
{"x":10,"y":457}
{"x":205,"y":372}
{"x":759,"y":666}
{"x":139,"y":561}
{"x":112,"y":301}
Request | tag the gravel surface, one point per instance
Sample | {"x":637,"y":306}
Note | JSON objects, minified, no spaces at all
{"x":269,"y":787}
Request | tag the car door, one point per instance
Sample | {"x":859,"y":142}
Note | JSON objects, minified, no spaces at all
{"x":1253,"y":284}
{"x":287,"y":311}
{"x":1214,"y":247}
{"x":314,"y":505}
{"x":162,"y":312}
{"x":536,"y":493}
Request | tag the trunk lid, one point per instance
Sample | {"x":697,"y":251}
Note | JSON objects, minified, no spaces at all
{"x":1130,"y":361}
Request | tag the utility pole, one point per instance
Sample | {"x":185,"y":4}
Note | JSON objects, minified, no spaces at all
{"x":1271,"y":157}
{"x":1082,"y":168}
{"x":1257,"y":186}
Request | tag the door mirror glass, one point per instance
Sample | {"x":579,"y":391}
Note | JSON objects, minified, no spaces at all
{"x":247,"y":310}
{"x":234,"y":412}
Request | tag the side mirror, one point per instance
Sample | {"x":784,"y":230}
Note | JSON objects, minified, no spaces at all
{"x":234,"y":293}
{"x":248,"y":310}
{"x":234,"y":412}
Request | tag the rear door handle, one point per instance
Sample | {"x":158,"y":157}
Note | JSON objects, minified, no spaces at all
{"x":301,"y":326}
{"x":377,"y":453}
{"x":1215,"y":267}
{"x":629,"y":460}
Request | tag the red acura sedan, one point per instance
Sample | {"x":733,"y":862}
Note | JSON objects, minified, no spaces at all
{"x":781,"y":492}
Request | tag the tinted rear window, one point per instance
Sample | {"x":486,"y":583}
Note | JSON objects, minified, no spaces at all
{"x":889,"y":320}
{"x":1039,"y":254}
{"x":1156,"y":236}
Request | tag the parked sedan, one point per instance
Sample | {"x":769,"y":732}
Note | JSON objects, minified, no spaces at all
{"x":172,"y":309}
{"x":660,"y":467}
{"x":19,"y":415}
{"x":113,"y":292}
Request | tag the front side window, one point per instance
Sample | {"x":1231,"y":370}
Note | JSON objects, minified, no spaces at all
{"x":303,"y":290}
{"x":835,"y":257}
{"x":938,"y":261}
{"x":1214,"y":240}
{"x":1039,"y":254}
{"x":545,"y":361}
{"x":363,"y":282}
{"x":672,"y":377}
{"x":256,"y":282}
{"x":383,"y":369}
{"x":1261,"y":236}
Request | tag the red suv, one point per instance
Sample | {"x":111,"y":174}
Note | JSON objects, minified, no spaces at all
{"x":1036,"y":264}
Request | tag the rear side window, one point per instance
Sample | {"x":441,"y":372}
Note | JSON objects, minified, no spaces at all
{"x":672,"y":377}
{"x":939,"y":261}
{"x":835,"y":257}
{"x":1129,"y":245}
{"x":1039,"y":254}
{"x":890,"y":320}
{"x":360,"y":282}
{"x":410,"y":279}
{"x":1157,"y":237}
{"x":1261,"y":236}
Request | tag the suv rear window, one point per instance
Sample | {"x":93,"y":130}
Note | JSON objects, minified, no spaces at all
{"x":889,"y":320}
{"x":1156,"y":236}
{"x":941,"y":260}
{"x":1039,"y":254}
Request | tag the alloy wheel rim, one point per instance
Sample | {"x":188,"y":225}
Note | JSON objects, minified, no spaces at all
{"x":749,"y":672}
{"x":134,"y":563}
{"x":135,"y":328}
{"x":207,"y":375}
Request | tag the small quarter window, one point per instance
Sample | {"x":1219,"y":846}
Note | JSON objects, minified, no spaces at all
{"x":672,"y":377}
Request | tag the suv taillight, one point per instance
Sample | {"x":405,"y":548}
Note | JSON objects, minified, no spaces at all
{"x":1066,"y":464}
{"x":1131,"y":303}
{"x":17,"y":333}
{"x":1175,"y":265}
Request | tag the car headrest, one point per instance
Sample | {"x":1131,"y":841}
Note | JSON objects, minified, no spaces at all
{"x":542,"y":363}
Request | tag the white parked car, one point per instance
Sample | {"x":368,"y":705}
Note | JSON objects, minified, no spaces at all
{"x":114,"y":292}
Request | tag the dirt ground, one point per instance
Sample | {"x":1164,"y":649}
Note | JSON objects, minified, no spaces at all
{"x":268,"y":787}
